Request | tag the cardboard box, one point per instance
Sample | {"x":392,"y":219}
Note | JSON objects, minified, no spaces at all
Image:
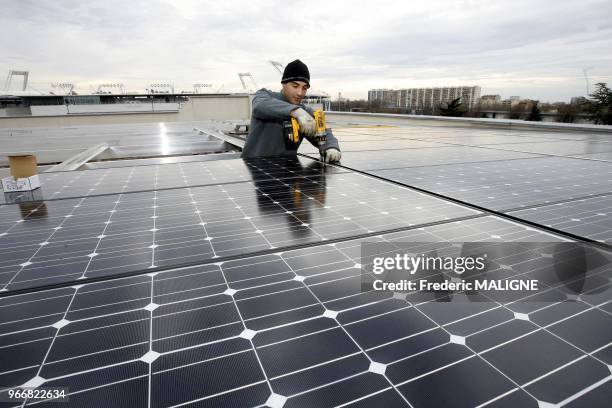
{"x":22,"y":165}
{"x":10,"y":184}
{"x":18,"y":197}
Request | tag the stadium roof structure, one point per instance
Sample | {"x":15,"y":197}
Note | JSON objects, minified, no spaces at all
{"x":208,"y":280}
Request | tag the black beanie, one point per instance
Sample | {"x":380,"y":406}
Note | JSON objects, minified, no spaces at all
{"x":296,"y":71}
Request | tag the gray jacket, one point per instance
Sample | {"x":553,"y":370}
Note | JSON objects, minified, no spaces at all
{"x":266,"y":135}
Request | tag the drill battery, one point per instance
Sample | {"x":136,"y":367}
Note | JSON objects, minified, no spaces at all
{"x":291,"y":130}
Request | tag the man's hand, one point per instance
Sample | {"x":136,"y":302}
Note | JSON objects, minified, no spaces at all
{"x":307,"y":123}
{"x":332,"y":155}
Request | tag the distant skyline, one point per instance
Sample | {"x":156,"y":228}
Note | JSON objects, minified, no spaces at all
{"x":535,"y":49}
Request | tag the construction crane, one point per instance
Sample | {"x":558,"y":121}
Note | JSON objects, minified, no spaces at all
{"x":243,"y":75}
{"x":586,"y":78}
{"x":279,"y":67}
{"x":11,"y":74}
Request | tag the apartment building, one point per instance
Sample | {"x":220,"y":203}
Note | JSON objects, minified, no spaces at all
{"x":420,"y":98}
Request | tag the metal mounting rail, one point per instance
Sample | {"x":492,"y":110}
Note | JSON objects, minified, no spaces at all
{"x":233,"y":140}
{"x":79,"y":159}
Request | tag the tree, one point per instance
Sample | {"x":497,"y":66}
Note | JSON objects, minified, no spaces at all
{"x":375,"y":106}
{"x":536,"y":114}
{"x":519,"y":110}
{"x":453,"y":108}
{"x":567,"y":113}
{"x":601,"y":104}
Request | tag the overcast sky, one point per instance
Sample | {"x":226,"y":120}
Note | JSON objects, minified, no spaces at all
{"x":532,"y":48}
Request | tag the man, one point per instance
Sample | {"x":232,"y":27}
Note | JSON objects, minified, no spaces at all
{"x":271,"y":109}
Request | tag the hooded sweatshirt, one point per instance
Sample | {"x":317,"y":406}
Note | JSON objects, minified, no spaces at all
{"x":266,"y":133}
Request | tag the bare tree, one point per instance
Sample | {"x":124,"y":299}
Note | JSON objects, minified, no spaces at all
{"x":567,"y":113}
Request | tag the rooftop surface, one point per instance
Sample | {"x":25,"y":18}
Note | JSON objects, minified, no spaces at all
{"x":208,"y":280}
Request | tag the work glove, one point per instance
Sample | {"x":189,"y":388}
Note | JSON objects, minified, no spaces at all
{"x":332,"y":155}
{"x":307,"y":123}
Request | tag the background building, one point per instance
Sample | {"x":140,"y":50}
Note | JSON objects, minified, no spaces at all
{"x":388,"y":98}
{"x":490,"y":100}
{"x":511,"y":102}
{"x":421,"y":98}
{"x":578,"y":100}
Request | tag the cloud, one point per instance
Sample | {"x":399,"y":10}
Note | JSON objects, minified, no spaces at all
{"x":536,"y":49}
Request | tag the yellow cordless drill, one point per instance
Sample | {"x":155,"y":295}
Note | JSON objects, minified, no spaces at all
{"x":320,"y":136}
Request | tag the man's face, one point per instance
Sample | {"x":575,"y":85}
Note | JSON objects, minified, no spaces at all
{"x":295,"y":91}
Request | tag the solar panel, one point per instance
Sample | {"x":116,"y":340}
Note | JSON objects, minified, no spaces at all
{"x":510,"y":184}
{"x":589,"y":217}
{"x":294,"y":327}
{"x":563,"y":148}
{"x":144,"y":139}
{"x":480,"y":176}
{"x":596,"y":156}
{"x":73,"y":239}
{"x":362,"y":145}
{"x":158,"y":160}
{"x":233,"y":283}
{"x":379,"y":160}
{"x":167,"y":176}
